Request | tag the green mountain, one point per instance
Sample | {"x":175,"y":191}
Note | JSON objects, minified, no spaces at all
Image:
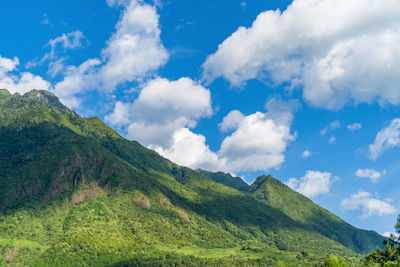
{"x":75,"y":193}
{"x":274,"y":193}
{"x":226,"y":179}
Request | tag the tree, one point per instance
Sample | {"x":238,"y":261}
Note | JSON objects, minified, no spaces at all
{"x":390,"y":256}
{"x":335,"y":261}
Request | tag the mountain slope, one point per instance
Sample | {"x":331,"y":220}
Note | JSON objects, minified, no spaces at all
{"x":274,"y":193}
{"x":225,"y":179}
{"x":301,"y":209}
{"x":74,"y":192}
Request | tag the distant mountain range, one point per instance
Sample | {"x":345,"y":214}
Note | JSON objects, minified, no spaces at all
{"x":73,"y":192}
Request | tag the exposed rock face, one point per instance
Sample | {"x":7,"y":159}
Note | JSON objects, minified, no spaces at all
{"x":46,"y":97}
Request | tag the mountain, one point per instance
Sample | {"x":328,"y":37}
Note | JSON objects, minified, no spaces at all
{"x":301,"y":209}
{"x":226,"y":179}
{"x":274,"y":193}
{"x":75,"y":193}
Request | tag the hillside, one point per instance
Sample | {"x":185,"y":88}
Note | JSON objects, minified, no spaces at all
{"x":274,"y":193}
{"x":301,"y":209}
{"x":225,"y":179}
{"x":74,"y":192}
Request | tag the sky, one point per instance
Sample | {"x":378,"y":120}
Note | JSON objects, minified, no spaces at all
{"x":307,"y":91}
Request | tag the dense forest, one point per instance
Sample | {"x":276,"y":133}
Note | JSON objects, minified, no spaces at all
{"x":75,"y":193}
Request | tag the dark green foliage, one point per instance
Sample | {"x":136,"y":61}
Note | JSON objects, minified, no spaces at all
{"x":335,"y":261}
{"x":301,"y":209}
{"x":75,"y":193}
{"x":390,"y":255}
{"x":226,"y":179}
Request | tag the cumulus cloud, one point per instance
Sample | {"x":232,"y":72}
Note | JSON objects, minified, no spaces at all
{"x":306,"y":154}
{"x":133,"y":53}
{"x":21,"y":82}
{"x":162,"y":108}
{"x":165,"y":111}
{"x":162,"y":116}
{"x":312,"y":184}
{"x":354,"y":127}
{"x":260,"y":139}
{"x":77,"y":80}
{"x":320,"y":46}
{"x":386,"y":139}
{"x":231,"y":121}
{"x":373,"y":175}
{"x":135,"y":49}
{"x":7,"y":65}
{"x":391,"y":235}
{"x":368,"y":204}
{"x":120,"y":115}
{"x":190,"y":149}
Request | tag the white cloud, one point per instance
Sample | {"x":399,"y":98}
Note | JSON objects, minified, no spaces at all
{"x":386,"y":139}
{"x":77,"y":80}
{"x":292,"y":183}
{"x":312,"y":184}
{"x":332,"y":140}
{"x":55,"y":67}
{"x":118,"y":2}
{"x":320,"y":46}
{"x":190,"y":149}
{"x":373,"y":175}
{"x":306,"y":154}
{"x":7,"y":65}
{"x":354,"y":127}
{"x":135,"y":49}
{"x":231,"y":121}
{"x":165,"y":111}
{"x":72,"y":40}
{"x":369,"y":205}
{"x":120,"y":115}
{"x":161,"y":118}
{"x":332,"y":126}
{"x":391,"y":235}
{"x":162,"y":108}
{"x":260,"y":139}
{"x":21,"y":82}
{"x":132,"y":53}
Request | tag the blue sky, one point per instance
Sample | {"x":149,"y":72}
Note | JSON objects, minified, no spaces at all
{"x":306,"y":91}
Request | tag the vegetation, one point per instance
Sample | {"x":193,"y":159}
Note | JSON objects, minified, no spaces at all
{"x":301,"y":209}
{"x":226,"y":179}
{"x":75,"y":193}
{"x":390,"y":255}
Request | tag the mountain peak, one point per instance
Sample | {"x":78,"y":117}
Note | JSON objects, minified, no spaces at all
{"x":226,"y":179}
{"x":46,"y":97}
{"x":261,"y":180}
{"x":4,"y":93}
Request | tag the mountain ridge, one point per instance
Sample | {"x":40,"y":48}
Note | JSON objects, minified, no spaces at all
{"x":265,"y":188}
{"x":78,"y":193}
